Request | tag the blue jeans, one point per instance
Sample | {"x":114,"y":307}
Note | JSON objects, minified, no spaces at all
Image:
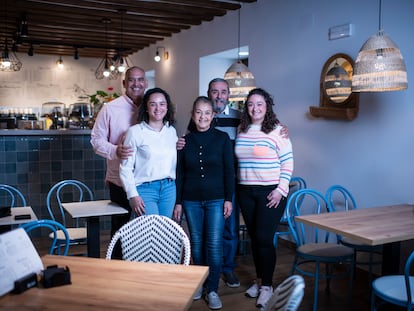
{"x":206,"y":224}
{"x":159,"y":197}
{"x":231,"y":239}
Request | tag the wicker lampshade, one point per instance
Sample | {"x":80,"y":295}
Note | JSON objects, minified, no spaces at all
{"x":337,"y":84}
{"x":240,"y":81}
{"x":379,"y":66}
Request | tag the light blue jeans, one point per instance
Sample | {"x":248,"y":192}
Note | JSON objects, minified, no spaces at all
{"x":206,"y":224}
{"x":159,"y":197}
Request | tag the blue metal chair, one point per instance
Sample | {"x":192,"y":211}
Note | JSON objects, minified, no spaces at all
{"x":297,"y":184}
{"x":341,"y":199}
{"x":53,"y":226}
{"x":395,"y":289}
{"x":315,"y":246}
{"x":13,"y":195}
{"x":67,"y":191}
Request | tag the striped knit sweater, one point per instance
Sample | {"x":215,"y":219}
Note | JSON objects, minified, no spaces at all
{"x":264,"y":159}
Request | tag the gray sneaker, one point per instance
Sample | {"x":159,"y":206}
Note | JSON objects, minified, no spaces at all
{"x":214,"y":302}
{"x":198,"y":294}
{"x":231,"y":279}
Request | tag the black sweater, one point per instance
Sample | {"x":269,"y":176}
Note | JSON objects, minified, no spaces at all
{"x":205,"y":167}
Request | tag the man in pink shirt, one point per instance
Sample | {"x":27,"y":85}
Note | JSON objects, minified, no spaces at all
{"x":112,"y":122}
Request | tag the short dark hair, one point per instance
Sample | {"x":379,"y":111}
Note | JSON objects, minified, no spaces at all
{"x":143,"y":113}
{"x":218,"y":80}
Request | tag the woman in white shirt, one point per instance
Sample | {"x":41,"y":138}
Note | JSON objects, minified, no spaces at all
{"x":148,"y":176}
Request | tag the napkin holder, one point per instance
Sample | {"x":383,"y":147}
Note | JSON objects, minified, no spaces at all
{"x":54,"y":276}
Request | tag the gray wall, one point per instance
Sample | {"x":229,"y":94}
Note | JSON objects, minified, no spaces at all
{"x":288,"y":42}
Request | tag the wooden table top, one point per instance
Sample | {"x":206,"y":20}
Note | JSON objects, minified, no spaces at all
{"x":373,"y":226}
{"x":99,"y":284}
{"x":93,"y":208}
{"x":9,"y":220}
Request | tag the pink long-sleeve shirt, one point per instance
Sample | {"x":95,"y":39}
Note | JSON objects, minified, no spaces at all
{"x":111,"y":124}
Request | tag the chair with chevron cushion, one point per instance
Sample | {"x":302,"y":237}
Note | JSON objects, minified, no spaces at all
{"x":288,"y":295}
{"x":152,"y":238}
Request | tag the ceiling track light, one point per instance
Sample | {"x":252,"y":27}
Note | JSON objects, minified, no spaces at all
{"x":76,"y":54}
{"x":23,"y":27}
{"x":157,"y":56}
{"x":30,"y":52}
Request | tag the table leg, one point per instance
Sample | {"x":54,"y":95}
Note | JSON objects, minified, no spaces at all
{"x":93,"y":237}
{"x":391,"y":258}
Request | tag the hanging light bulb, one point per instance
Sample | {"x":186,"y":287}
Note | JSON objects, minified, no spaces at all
{"x":106,"y":68}
{"x":379,"y":65}
{"x":121,"y":66}
{"x":59,"y":63}
{"x":157,"y":56}
{"x":107,"y":71}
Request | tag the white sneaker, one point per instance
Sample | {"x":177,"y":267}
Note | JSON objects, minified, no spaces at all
{"x":252,"y":291}
{"x":264,"y":296}
{"x":214,"y":302}
{"x":198,"y":294}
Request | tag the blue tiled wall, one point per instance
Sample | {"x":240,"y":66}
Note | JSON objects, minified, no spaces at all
{"x":35,"y":163}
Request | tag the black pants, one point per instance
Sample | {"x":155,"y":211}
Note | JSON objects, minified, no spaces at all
{"x":118,"y":195}
{"x":261,"y":223}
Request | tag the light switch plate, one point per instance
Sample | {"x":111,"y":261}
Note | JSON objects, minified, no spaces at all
{"x":341,"y":31}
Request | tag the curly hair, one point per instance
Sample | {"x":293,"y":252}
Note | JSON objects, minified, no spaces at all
{"x":270,"y":119}
{"x":143,"y":109}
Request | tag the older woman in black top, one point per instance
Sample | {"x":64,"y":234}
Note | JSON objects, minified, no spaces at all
{"x":205,"y":186}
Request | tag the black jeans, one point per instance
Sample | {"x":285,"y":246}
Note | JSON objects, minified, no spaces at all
{"x":261,"y":223}
{"x":118,"y":195}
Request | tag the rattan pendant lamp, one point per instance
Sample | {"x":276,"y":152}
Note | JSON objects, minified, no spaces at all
{"x":239,"y":77}
{"x":379,"y":66}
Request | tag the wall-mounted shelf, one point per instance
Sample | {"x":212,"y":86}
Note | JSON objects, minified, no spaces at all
{"x":334,"y":113}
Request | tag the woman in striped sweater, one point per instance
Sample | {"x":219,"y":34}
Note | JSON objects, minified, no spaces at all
{"x":265,"y":165}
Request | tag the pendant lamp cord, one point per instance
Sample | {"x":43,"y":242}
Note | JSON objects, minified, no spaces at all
{"x":379,"y":16}
{"x":238,"y":38}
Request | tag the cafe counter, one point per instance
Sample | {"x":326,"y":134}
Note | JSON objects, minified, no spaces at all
{"x":60,"y":132}
{"x":34,"y":160}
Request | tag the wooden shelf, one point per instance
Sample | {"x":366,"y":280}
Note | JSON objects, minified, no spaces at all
{"x":334,"y":112}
